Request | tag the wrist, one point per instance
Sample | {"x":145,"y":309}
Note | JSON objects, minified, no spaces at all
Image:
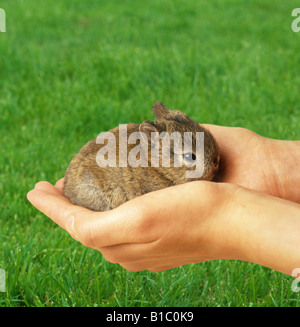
{"x":267,"y":230}
{"x":282,"y":168}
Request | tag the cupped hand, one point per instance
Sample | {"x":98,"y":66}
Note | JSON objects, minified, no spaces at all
{"x":184,"y":224}
{"x":258,"y":163}
{"x":197,"y":221}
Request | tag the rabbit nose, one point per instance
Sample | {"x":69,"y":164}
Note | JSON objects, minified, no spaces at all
{"x":216,"y":162}
{"x":215,"y":167}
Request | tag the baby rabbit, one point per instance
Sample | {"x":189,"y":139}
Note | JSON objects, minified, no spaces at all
{"x":101,"y":183}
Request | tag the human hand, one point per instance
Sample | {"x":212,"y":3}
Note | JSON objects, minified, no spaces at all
{"x":198,"y":221}
{"x":160,"y":230}
{"x":259,"y":163}
{"x":183,"y":224}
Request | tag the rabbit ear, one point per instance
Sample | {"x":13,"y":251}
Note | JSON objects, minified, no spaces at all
{"x":160,"y":111}
{"x":148,"y":127}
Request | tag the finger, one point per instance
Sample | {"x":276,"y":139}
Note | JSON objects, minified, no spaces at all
{"x":60,"y":184}
{"x":46,"y":186}
{"x":92,"y":229}
{"x":153,"y":267}
{"x":129,"y":253}
{"x":229,"y":137}
{"x":168,"y":263}
{"x":163,"y":267}
{"x":133,"y":267}
{"x":53,"y":204}
{"x":222,"y":134}
{"x":109,"y":228}
{"x":215,"y":128}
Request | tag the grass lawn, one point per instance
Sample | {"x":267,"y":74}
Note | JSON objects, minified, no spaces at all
{"x":71,"y":69}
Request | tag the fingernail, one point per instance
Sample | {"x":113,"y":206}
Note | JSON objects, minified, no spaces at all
{"x":70,"y":223}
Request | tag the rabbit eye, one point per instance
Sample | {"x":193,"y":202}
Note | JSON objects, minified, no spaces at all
{"x":189,"y":157}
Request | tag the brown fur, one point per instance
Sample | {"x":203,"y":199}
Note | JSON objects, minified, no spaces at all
{"x":101,"y":189}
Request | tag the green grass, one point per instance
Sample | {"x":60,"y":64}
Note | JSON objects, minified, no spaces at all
{"x":71,"y":69}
